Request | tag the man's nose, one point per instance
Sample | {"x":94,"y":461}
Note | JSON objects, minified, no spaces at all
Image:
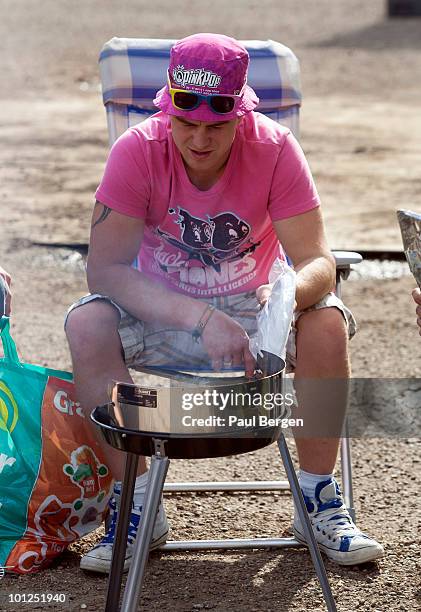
{"x":201,"y":137}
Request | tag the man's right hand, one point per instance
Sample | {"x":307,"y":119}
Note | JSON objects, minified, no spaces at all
{"x":416,"y":294}
{"x":227,"y":343}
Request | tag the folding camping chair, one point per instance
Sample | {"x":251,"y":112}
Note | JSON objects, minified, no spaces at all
{"x":132,"y":70}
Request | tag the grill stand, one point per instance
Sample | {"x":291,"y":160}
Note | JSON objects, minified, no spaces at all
{"x":120,"y":542}
{"x":157,"y":473}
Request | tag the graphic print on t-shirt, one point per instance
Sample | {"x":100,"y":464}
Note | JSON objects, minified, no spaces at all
{"x":210,"y":241}
{"x":209,"y":245}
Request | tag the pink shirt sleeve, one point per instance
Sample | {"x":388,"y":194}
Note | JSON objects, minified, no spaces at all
{"x":293,"y":190}
{"x":125,"y":186}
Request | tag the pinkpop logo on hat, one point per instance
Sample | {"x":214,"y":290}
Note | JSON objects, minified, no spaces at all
{"x":195,"y":76}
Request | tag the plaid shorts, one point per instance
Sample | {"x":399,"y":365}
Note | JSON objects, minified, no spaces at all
{"x":151,"y":345}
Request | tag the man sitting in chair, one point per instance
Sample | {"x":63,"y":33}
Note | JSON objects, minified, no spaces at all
{"x":204,"y":193}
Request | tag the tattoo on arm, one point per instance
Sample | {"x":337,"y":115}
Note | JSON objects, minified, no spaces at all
{"x":102,"y":216}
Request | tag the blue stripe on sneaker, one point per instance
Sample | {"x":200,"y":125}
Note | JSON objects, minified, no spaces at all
{"x":332,"y":503}
{"x":309,"y":504}
{"x":134,"y":524}
{"x":109,"y":536}
{"x":345,"y":543}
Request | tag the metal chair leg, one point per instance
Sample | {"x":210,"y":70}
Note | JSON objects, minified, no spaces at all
{"x":305,"y":521}
{"x":346,"y":469}
{"x":157,"y":473}
{"x":237,"y":485}
{"x":120,"y":542}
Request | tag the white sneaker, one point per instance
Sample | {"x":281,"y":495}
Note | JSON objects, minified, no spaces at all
{"x":336,"y":534}
{"x":99,"y":558}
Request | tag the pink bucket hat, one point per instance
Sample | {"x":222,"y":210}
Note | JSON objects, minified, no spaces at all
{"x":208,"y":64}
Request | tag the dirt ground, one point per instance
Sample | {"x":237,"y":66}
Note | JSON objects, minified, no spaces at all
{"x":361,"y":130}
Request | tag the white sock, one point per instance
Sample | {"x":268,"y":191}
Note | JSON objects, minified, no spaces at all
{"x":308,"y":482}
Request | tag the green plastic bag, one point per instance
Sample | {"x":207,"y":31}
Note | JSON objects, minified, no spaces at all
{"x":54,"y":481}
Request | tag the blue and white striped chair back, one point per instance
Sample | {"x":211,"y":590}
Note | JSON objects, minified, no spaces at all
{"x":134,"y":69}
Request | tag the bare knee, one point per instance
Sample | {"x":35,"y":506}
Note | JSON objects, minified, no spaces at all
{"x":322,"y":335}
{"x":92,"y":328}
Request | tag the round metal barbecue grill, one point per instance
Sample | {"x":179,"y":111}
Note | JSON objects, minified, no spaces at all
{"x":220,"y":418}
{"x":149,"y":421}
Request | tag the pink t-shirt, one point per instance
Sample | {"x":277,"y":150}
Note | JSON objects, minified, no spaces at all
{"x":214,"y":242}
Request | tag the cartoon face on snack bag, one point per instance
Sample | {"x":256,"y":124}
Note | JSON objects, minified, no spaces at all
{"x":87,"y":472}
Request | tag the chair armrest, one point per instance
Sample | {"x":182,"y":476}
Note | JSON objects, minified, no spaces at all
{"x":344,"y":259}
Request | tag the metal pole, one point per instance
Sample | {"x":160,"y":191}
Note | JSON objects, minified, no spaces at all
{"x":157,"y":473}
{"x":346,"y":464}
{"x":345,"y":445}
{"x":233,"y":544}
{"x":305,"y":521}
{"x":120,"y":541}
{"x":239,"y":485}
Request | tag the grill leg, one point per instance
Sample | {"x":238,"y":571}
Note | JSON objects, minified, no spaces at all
{"x":157,"y":473}
{"x":305,"y":521}
{"x":120,"y":542}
